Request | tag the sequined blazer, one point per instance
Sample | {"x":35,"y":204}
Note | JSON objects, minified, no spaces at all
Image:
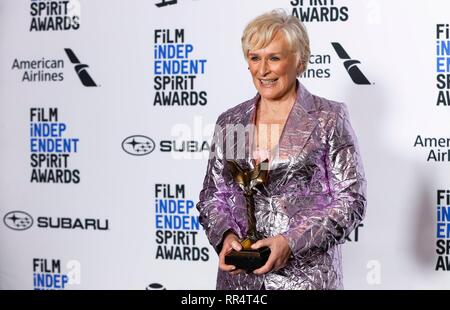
{"x":315,"y":195}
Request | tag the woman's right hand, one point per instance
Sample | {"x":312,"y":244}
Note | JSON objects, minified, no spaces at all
{"x":230,"y":242}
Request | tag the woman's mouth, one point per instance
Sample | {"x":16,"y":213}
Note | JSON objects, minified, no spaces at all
{"x":268,"y":82}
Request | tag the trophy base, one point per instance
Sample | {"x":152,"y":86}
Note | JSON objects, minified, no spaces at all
{"x":248,"y":260}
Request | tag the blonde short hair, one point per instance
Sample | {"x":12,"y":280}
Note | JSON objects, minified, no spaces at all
{"x":261,"y":31}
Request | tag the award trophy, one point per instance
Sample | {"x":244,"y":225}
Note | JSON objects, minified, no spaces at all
{"x":248,"y":259}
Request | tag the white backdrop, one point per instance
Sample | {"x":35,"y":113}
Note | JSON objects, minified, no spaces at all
{"x":99,"y":227}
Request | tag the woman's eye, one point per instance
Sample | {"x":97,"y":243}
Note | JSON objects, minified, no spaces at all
{"x":254,"y":58}
{"x":274,"y":58}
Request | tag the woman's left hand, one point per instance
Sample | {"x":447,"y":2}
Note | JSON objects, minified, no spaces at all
{"x":279,"y":253}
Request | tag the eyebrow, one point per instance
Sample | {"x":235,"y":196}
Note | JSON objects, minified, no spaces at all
{"x":270,"y":54}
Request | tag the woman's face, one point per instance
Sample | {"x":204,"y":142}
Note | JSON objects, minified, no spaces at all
{"x":274,"y":69}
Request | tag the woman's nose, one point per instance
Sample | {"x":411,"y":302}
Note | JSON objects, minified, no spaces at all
{"x":263,"y":68}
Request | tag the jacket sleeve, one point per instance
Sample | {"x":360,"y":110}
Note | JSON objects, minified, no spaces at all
{"x":213,"y":206}
{"x":330,"y":222}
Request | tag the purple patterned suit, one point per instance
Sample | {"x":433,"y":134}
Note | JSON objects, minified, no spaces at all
{"x":315,"y":195}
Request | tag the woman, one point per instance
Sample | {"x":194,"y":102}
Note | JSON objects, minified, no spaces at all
{"x":315,"y":194}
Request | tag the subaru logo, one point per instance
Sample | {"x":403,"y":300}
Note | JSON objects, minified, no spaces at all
{"x":18,"y":220}
{"x":138,"y":145}
{"x":155,"y":286}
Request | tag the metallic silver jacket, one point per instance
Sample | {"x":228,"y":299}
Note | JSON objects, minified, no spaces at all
{"x":315,"y":195}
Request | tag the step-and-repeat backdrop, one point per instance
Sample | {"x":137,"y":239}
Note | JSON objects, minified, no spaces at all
{"x":106,"y":115}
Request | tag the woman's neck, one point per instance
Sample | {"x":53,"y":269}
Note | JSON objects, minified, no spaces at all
{"x":278,"y":107}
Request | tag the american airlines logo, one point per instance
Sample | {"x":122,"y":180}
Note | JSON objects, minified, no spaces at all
{"x":351,"y":65}
{"x":80,"y":69}
{"x":165,"y":3}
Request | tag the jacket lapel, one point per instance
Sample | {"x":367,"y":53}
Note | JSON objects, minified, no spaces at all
{"x":297,"y":131}
{"x":299,"y":125}
{"x":245,"y":117}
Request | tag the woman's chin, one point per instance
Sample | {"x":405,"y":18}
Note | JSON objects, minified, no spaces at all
{"x":268,"y":95}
